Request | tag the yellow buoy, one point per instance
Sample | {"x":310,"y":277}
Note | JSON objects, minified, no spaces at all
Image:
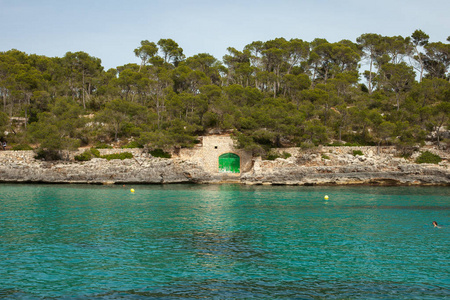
{"x":326,"y":197}
{"x":132,"y":190}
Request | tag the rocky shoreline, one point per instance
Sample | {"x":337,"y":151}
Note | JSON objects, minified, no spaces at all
{"x":337,"y":166}
{"x":325,"y":166}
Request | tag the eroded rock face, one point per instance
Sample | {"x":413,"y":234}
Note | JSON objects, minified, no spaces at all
{"x":327,"y":166}
{"x":137,"y":170}
{"x":337,"y":166}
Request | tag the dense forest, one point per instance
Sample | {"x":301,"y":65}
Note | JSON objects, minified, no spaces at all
{"x":378,"y":90}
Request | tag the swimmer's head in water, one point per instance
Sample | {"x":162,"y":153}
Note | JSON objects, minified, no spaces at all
{"x":435,"y":223}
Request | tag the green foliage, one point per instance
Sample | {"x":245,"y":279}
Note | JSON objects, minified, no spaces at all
{"x":121,"y":156}
{"x":58,"y":129}
{"x":19,"y":147}
{"x":117,"y":115}
{"x":102,"y":146}
{"x":270,"y":94}
{"x":160,"y":153}
{"x":4,"y":120}
{"x":95,"y":152}
{"x":406,"y":155}
{"x":339,"y":144}
{"x":428,"y":158}
{"x":247,"y":143}
{"x":272,"y":155}
{"x":324,"y":156}
{"x":48,"y":154}
{"x":307,"y":145}
{"x":131,"y":145}
{"x":286,"y":155}
{"x":357,"y":152}
{"x":89,"y":154}
{"x":85,"y":156}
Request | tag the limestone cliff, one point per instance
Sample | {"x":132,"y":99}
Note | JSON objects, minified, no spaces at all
{"x":336,"y":165}
{"x":332,"y":165}
{"x":20,"y":166}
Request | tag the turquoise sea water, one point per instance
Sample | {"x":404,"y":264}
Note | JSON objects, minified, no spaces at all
{"x":223,"y":242}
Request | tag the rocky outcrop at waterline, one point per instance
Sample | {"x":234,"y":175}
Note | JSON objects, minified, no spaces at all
{"x":20,"y":166}
{"x":345,"y":175}
{"x":328,"y":165}
{"x":337,"y":166}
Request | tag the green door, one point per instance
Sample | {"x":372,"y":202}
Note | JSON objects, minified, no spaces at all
{"x":229,"y":163}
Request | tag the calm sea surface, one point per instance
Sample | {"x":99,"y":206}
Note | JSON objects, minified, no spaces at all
{"x":223,"y":242}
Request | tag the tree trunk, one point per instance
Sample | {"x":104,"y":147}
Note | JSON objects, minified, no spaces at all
{"x":26,"y":117}
{"x":421,"y":64}
{"x":116,"y":132}
{"x":437,"y":135}
{"x":398,"y":101}
{"x":4,"y":101}
{"x":370,"y":76}
{"x":84,"y":92}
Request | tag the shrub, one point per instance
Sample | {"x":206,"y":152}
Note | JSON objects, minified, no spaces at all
{"x":275,"y":155}
{"x":406,"y":155}
{"x":48,"y":154}
{"x":428,"y":158}
{"x":339,"y":144}
{"x":272,"y":156}
{"x":19,"y":147}
{"x":285,"y":155}
{"x":307,"y":145}
{"x":324,"y":156}
{"x":335,"y":144}
{"x":352,"y":144}
{"x":160,"y":153}
{"x":131,"y":145}
{"x":88,"y":155}
{"x":102,"y":146}
{"x":121,"y":156}
{"x":357,"y":152}
{"x":85,"y":156}
{"x":95,"y":152}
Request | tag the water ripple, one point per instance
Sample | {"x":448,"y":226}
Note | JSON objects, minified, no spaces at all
{"x":223,"y":242}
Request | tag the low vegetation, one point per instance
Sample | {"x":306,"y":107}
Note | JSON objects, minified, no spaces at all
{"x":160,"y":153}
{"x":91,"y":153}
{"x":121,"y":156}
{"x":19,"y":147}
{"x":274,"y":155}
{"x":428,"y":158}
{"x":357,"y":152}
{"x":324,"y":156}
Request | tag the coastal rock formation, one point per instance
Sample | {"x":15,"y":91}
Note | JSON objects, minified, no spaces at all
{"x":336,"y":166}
{"x":20,"y":166}
{"x":326,"y":166}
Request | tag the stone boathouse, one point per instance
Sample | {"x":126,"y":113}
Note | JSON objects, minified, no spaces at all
{"x":217,"y":155}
